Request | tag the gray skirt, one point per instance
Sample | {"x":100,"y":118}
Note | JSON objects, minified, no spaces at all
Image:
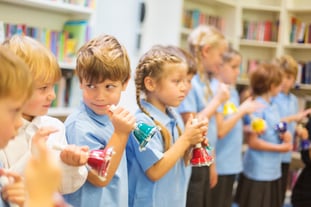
{"x":252,"y":193}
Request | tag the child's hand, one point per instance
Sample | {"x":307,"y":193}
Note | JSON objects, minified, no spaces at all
{"x":286,"y":137}
{"x":250,"y":106}
{"x":75,"y":155}
{"x":42,"y":134}
{"x":14,"y":191}
{"x":194,"y":132}
{"x":42,"y":176}
{"x":286,"y":147}
{"x":302,"y":132}
{"x":223,"y":93}
{"x":122,"y":120}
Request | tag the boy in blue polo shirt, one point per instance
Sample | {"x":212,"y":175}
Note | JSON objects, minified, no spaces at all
{"x":103,"y":69}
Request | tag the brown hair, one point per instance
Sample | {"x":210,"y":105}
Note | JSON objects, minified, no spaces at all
{"x":15,"y":79}
{"x":40,"y":60}
{"x":151,"y":64}
{"x":265,"y":76}
{"x":103,"y":58}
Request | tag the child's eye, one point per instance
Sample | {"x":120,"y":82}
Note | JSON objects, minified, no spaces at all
{"x":110,"y":86}
{"x":43,"y":88}
{"x":91,"y":86}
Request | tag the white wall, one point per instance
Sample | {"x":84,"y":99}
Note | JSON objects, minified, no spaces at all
{"x":162,"y":23}
{"x":121,"y":19}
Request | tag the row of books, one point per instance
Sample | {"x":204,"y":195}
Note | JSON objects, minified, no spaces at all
{"x":194,"y":17}
{"x":261,"y":30}
{"x":67,"y":90}
{"x":300,"y":31}
{"x":63,"y":44}
{"x":83,"y":3}
{"x":303,"y":73}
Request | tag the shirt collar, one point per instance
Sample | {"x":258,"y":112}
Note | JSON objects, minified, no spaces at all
{"x":101,"y":119}
{"x":164,"y":118}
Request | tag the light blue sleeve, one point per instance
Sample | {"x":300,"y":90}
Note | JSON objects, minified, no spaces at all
{"x":154,"y":149}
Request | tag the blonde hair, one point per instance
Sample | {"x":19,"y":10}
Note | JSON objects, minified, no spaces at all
{"x":201,"y":36}
{"x":103,"y":58}
{"x":186,"y":56}
{"x":288,"y":65}
{"x":15,"y":79}
{"x":40,"y":60}
{"x":230,"y":54}
{"x":151,"y":64}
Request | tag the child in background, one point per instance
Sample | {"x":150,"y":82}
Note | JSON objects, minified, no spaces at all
{"x":186,"y":57}
{"x":207,"y":46}
{"x":103,"y":69}
{"x":16,"y":87}
{"x":301,"y":193}
{"x":158,"y":176}
{"x":287,"y":105}
{"x":36,"y":125}
{"x":259,"y":184}
{"x":230,"y":131}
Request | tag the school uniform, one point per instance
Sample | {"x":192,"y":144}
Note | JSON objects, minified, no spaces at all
{"x":171,"y":189}
{"x":199,"y":193}
{"x":16,"y":154}
{"x":259,"y":184}
{"x":301,"y":193}
{"x":287,"y":105}
{"x":84,"y":127}
{"x":228,"y":158}
{"x":2,"y":202}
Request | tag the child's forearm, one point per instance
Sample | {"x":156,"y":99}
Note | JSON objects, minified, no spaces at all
{"x":118,"y":142}
{"x":169,"y":159}
{"x":210,"y":109}
{"x":225,"y":125}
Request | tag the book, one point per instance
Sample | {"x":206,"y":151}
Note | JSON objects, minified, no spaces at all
{"x":77,"y":31}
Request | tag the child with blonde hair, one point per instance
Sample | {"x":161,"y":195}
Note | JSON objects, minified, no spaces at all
{"x":158,"y":176}
{"x":103,"y":68}
{"x":287,"y":104}
{"x":36,"y":125}
{"x":230,"y":131}
{"x":16,"y":87}
{"x":207,"y":45}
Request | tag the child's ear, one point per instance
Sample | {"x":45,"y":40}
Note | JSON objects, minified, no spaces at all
{"x":205,"y":50}
{"x":149,"y":83}
{"x":124,"y":85}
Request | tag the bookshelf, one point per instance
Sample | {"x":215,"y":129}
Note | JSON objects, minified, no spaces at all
{"x":44,"y":20}
{"x":260,"y":30}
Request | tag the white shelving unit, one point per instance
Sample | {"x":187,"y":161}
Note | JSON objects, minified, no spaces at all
{"x":47,"y":14}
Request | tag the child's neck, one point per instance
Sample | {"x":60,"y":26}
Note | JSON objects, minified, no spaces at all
{"x":266,"y":97}
{"x":28,"y":117}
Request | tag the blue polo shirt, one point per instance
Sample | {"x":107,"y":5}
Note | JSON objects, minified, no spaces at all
{"x":196,"y":101}
{"x":2,"y":202}
{"x":171,"y":189}
{"x":229,"y":148}
{"x":84,"y":127}
{"x":287,"y":105}
{"x":265,"y":165}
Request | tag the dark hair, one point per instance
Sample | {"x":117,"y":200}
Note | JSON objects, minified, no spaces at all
{"x":265,"y":76}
